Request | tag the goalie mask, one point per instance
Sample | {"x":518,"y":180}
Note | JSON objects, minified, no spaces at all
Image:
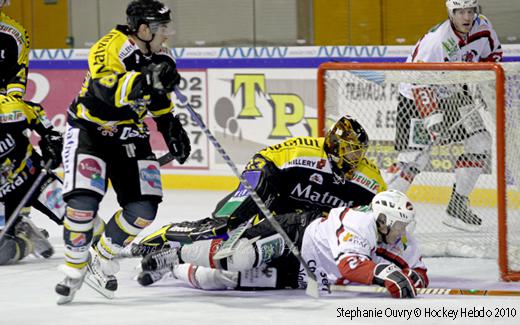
{"x":346,"y":144}
{"x":394,"y":213}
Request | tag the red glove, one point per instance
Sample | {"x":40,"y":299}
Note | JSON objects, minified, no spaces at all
{"x":418,"y":276}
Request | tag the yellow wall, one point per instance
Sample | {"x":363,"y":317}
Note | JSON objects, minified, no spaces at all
{"x":47,"y":24}
{"x":416,"y":18}
{"x":365,"y":22}
{"x":330,"y":22}
{"x":374,"y":22}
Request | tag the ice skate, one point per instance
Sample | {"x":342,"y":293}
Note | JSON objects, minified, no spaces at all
{"x":37,"y":236}
{"x":459,"y":214}
{"x":67,"y":288}
{"x":165,"y":259}
{"x":146,"y":278}
{"x":156,"y":265}
{"x":100,"y":274}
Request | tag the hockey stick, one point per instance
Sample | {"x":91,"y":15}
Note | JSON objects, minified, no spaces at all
{"x":425,"y":291}
{"x":14,"y":216}
{"x":312,"y":285}
{"x":164,"y":159}
{"x":435,"y":141}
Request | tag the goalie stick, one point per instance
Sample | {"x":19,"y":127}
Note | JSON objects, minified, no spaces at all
{"x":312,"y":284}
{"x":14,"y":216}
{"x":425,"y":291}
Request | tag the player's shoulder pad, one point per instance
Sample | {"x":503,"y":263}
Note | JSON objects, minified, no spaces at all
{"x":483,"y":22}
{"x":370,"y":171}
{"x":294,"y":148}
{"x":13,"y":110}
{"x":104,"y":56}
{"x":360,"y":228}
{"x":15,"y":29}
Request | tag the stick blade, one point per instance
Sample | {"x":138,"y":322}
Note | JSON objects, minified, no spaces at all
{"x":312,"y":288}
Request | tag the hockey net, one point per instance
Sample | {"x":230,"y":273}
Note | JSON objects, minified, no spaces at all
{"x":369,"y":92}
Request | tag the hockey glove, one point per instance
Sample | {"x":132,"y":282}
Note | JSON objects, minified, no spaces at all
{"x":399,"y":285}
{"x":162,"y":77}
{"x":175,"y":136}
{"x":434,"y":124}
{"x":51,"y":145}
{"x":418,"y":277}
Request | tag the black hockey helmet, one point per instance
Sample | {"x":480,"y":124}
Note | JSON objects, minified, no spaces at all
{"x":149,"y":12}
{"x":346,"y":144}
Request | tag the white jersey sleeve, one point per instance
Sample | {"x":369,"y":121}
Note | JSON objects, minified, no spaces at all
{"x":345,"y":232}
{"x":443,"y":44}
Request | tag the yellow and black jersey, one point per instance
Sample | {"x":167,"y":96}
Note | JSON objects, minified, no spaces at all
{"x":301,"y":173}
{"x":14,"y":57}
{"x":114,"y":92}
{"x":16,"y":119}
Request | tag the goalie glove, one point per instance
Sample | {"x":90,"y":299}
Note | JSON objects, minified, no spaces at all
{"x":434,"y":124}
{"x":399,"y":285}
{"x":175,"y":136}
{"x":51,"y":145}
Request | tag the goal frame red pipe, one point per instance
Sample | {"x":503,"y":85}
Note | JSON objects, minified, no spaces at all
{"x":505,"y":273}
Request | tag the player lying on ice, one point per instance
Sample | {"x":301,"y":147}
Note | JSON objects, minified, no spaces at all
{"x":300,"y":174}
{"x":370,"y":244}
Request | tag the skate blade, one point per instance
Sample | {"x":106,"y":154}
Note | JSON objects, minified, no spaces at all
{"x":63,"y":300}
{"x":95,"y":286}
{"x":459,"y":224}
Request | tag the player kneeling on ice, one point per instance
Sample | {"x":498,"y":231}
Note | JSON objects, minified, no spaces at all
{"x":20,"y":166}
{"x":364,"y":245}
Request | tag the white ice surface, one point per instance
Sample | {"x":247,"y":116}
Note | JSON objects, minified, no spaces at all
{"x":27,"y":290}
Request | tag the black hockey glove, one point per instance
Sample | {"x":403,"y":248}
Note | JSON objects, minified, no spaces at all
{"x":51,"y":145}
{"x":162,"y":77}
{"x":399,"y":285}
{"x":175,"y":136}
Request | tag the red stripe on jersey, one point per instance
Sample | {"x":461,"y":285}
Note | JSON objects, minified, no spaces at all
{"x":425,"y":101}
{"x":391,"y":257}
{"x":354,"y":269}
{"x":482,"y":34}
{"x":214,"y":246}
{"x":191,"y":276}
{"x":340,"y":230}
{"x":469,"y":164}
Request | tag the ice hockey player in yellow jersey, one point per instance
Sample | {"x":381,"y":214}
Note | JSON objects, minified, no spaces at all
{"x":131,"y":75}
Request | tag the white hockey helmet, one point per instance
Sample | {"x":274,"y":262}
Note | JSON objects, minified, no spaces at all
{"x":461,"y":4}
{"x":393,"y":212}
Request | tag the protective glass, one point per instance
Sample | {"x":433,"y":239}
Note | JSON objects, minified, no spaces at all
{"x":162,"y":28}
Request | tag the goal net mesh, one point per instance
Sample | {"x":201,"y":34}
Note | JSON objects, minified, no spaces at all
{"x":468,"y":100}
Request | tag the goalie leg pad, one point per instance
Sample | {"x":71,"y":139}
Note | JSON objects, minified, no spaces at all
{"x":205,"y":278}
{"x":259,"y":278}
{"x":13,"y":249}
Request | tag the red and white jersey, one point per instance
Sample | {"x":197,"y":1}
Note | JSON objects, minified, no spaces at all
{"x":350,"y":236}
{"x":443,"y":44}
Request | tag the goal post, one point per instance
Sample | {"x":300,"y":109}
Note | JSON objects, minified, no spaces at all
{"x":369,"y":92}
